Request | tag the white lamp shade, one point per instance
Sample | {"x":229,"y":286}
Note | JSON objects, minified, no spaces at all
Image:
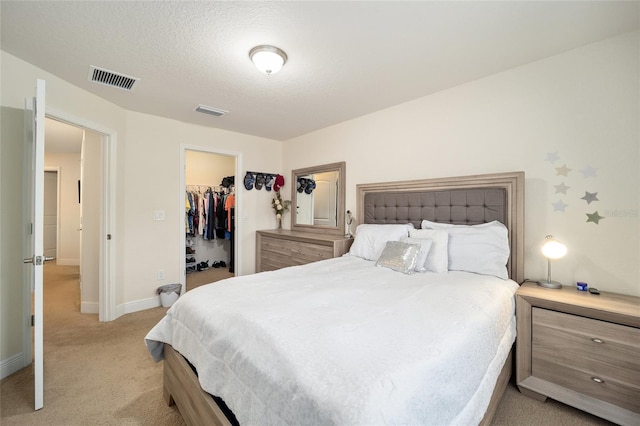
{"x":553,"y":249}
{"x":268,"y":59}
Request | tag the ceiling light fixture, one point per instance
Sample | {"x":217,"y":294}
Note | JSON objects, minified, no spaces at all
{"x":268,"y":59}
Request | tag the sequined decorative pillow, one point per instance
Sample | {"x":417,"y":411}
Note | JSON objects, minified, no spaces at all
{"x":399,"y":256}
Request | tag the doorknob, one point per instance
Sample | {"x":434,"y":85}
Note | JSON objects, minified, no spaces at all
{"x":38,"y":260}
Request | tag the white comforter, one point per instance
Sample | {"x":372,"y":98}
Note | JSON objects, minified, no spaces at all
{"x":344,"y":342}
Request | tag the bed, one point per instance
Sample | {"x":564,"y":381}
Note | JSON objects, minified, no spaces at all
{"x":343,"y":341}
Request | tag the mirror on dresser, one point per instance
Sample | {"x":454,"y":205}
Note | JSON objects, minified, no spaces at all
{"x":318,"y":198}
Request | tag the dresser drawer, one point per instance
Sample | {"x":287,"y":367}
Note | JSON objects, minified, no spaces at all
{"x":275,"y":245}
{"x":273,"y":260}
{"x":593,"y":357}
{"x":306,"y":253}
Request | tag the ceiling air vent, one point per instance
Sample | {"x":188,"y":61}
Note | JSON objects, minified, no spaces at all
{"x":111,"y":78}
{"x":211,"y":111}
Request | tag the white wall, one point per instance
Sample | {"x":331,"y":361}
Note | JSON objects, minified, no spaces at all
{"x":69,"y":208}
{"x":582,"y":105}
{"x":153,"y":183}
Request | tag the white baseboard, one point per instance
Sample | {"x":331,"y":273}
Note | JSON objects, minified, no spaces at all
{"x":89,"y":308}
{"x":72,"y":262}
{"x":11,"y":365}
{"x":138,"y":305}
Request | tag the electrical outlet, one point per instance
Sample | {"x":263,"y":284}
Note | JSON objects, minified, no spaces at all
{"x":160,"y":275}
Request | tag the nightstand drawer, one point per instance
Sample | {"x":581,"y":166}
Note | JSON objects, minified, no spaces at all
{"x":600,"y":386}
{"x":581,"y":337}
{"x":593,"y":357}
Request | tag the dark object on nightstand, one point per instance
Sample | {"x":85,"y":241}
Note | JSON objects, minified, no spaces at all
{"x":594,"y":291}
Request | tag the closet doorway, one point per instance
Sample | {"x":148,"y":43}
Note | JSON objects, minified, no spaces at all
{"x":209,"y":203}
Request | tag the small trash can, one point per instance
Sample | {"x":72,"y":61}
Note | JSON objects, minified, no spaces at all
{"x":169,"y":293}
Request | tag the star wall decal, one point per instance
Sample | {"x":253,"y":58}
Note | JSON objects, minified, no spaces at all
{"x":590,"y":196}
{"x":561,"y":189}
{"x":588,"y":171}
{"x":552,"y":157}
{"x":563,"y":171}
{"x":559,"y":206}
{"x":594,"y":217}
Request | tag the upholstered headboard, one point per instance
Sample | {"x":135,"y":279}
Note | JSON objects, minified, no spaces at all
{"x":466,"y":200}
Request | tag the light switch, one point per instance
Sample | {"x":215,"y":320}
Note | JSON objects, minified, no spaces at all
{"x":158,"y":215}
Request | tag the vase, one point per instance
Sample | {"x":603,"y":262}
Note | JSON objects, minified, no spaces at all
{"x":279,"y":223}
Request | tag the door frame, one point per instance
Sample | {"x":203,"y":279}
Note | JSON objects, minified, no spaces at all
{"x":107,"y":287}
{"x":183,"y":187}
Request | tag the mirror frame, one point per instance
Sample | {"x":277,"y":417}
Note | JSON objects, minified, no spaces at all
{"x":341,"y":168}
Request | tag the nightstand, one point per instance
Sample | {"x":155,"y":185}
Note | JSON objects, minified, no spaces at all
{"x":580,"y":349}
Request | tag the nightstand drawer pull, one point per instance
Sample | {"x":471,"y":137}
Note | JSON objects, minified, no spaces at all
{"x":596,"y":340}
{"x":597,"y":379}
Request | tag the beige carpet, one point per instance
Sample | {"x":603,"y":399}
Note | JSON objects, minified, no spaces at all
{"x":101,"y":374}
{"x":94,"y":373}
{"x":198,"y":278}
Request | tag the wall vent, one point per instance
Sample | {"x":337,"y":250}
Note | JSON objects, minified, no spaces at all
{"x":111,"y":78}
{"x":211,"y":111}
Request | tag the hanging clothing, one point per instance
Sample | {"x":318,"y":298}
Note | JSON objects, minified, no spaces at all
{"x":229,"y":204}
{"x":196,"y":213}
{"x":209,"y":233}
{"x":187,"y":206}
{"x":220,"y":218}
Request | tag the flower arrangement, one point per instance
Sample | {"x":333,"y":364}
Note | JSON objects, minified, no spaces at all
{"x":280,"y":207}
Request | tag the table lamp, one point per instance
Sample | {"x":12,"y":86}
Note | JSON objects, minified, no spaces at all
{"x":552,"y":249}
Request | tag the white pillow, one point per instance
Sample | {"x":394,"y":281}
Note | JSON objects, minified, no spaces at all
{"x":437,"y":259}
{"x":482,"y":249}
{"x":425,"y":246}
{"x":370,"y":239}
{"x":399,"y":256}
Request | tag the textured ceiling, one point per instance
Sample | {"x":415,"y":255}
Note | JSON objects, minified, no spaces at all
{"x":346,"y":59}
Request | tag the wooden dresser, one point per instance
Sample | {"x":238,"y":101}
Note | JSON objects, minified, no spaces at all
{"x":580,"y":349}
{"x":280,"y":248}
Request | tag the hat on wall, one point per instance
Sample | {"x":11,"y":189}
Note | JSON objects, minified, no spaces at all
{"x":249,"y":181}
{"x":259,"y":181}
{"x":279,"y":183}
{"x":269,"y":181}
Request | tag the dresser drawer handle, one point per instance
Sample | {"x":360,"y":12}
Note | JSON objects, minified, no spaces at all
{"x":596,"y":340}
{"x":597,"y":379}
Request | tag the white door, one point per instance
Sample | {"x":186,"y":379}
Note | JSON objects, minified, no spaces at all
{"x":325,"y":196}
{"x":35,"y":145}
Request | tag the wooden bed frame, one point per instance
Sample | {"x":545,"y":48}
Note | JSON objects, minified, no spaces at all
{"x":197,"y":407}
